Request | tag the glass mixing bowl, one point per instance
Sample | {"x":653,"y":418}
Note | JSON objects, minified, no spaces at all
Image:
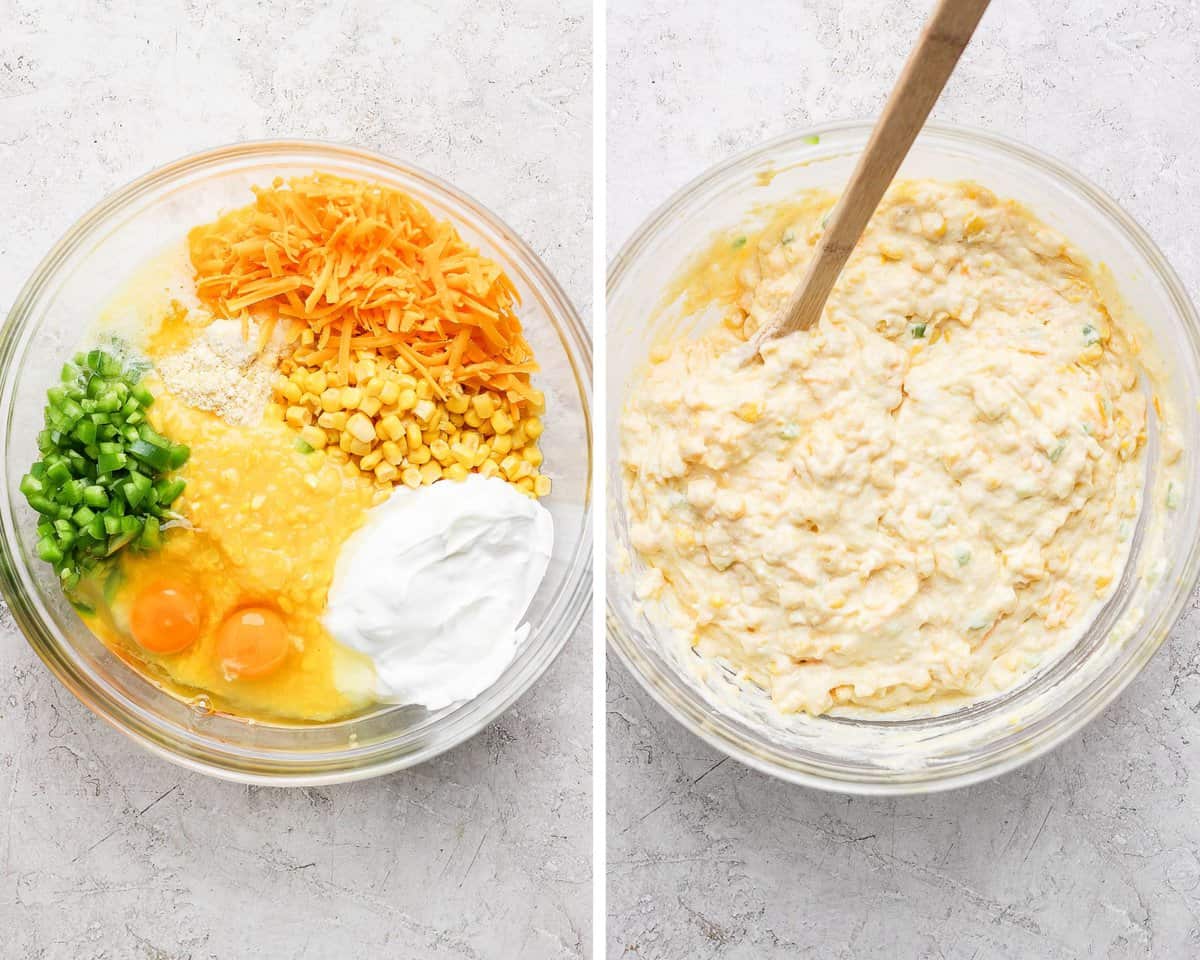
{"x":80,"y":273}
{"x":986,"y":738}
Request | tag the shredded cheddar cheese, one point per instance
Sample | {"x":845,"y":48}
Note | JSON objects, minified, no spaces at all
{"x":355,"y":266}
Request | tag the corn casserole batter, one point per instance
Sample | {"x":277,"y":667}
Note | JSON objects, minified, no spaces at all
{"x":916,"y":501}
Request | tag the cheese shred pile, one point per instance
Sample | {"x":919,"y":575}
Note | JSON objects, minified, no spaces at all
{"x":353,"y":266}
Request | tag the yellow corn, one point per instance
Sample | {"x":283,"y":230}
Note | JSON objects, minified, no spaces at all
{"x":396,"y":428}
{"x":392,"y":427}
{"x":386,"y":472}
{"x":431,"y":472}
{"x":483,"y":405}
{"x":314,"y":436}
{"x":361,"y":428}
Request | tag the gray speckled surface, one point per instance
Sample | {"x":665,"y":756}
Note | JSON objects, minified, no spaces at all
{"x":106,"y":852}
{"x":1092,"y":851}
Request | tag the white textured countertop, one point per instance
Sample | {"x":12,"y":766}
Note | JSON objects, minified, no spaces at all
{"x":106,"y":852}
{"x":1092,"y":851}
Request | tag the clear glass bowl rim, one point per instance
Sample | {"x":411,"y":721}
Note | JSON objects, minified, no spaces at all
{"x":691,"y":711}
{"x":241,"y":764}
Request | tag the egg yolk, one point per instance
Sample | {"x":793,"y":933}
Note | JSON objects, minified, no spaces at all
{"x":165,"y":617}
{"x":252,"y":642}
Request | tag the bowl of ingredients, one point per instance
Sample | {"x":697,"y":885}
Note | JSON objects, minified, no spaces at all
{"x":297,"y":445}
{"x":932,"y":536}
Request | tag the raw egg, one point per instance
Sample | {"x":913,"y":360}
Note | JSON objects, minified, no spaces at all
{"x":252,"y":642}
{"x":165,"y":616}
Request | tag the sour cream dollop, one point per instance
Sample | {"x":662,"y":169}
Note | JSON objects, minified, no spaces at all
{"x":434,"y":586}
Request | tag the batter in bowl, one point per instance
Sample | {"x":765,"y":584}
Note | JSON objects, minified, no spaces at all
{"x":918,"y":500}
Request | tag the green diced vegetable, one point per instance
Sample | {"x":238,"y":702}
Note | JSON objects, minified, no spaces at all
{"x":48,"y":550}
{"x":150,"y":538}
{"x":110,"y":462}
{"x":918,"y":331}
{"x":168,"y":491}
{"x":148,"y":453}
{"x":31,"y":485}
{"x":102,"y":482}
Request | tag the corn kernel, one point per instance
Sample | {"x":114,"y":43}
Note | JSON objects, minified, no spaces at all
{"x":489,"y":469}
{"x":291,"y":391}
{"x":508,"y":466}
{"x":424,"y":410}
{"x":533,"y":428}
{"x":389,"y":392}
{"x":413,"y":435}
{"x":431,"y":472}
{"x":483,"y":405}
{"x":392,"y":427}
{"x":471,"y":419}
{"x":371,"y":460}
{"x":501,"y":422}
{"x":386,"y":473}
{"x":361,"y":428}
{"x":440,"y":450}
{"x":502,"y":444}
{"x":456,"y":471}
{"x":407,"y":399}
{"x":373,"y":387}
{"x":525,"y":485}
{"x":370,"y":406}
{"x":458,"y":404}
{"x":316,"y":382}
{"x":532,"y":456}
{"x":419,"y":455}
{"x":541,"y":485}
{"x":392,"y":452}
{"x":338,"y":456}
{"x":298,"y":416}
{"x":314,"y":437}
{"x":411,"y":477}
{"x":357,"y":447}
{"x":331,"y":400}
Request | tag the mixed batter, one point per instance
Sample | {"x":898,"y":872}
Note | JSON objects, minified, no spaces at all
{"x":919,"y":499}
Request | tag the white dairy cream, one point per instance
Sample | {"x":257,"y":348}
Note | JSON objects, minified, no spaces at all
{"x":434,"y":587}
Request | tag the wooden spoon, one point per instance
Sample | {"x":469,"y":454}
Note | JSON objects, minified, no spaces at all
{"x":925,"y":73}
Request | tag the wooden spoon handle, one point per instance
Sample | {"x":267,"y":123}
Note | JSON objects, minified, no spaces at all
{"x":925,"y":73}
